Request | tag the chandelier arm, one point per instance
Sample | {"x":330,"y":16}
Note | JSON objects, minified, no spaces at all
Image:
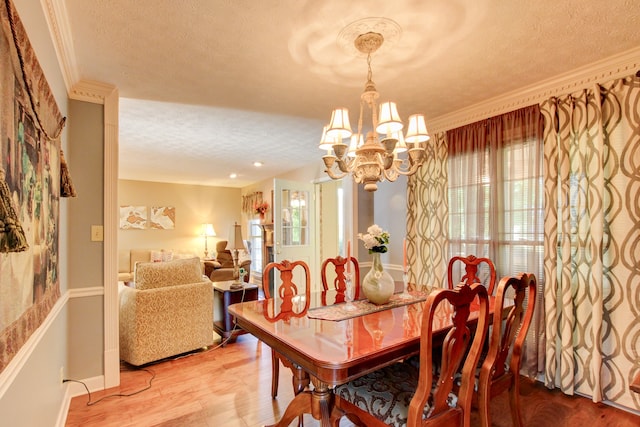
{"x":332,"y":175}
{"x":345,"y":165}
{"x":391,"y":174}
{"x":413,"y":168}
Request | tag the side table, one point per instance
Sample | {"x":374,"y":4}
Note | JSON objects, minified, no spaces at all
{"x":223,"y":297}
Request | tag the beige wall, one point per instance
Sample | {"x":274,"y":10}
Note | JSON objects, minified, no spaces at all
{"x":194,"y":205}
{"x":86,"y":165}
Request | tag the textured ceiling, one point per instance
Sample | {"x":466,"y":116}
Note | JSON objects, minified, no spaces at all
{"x":210,"y":86}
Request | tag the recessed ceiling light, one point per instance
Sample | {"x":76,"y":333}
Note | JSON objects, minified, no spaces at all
{"x":233,"y":176}
{"x":257,"y":164}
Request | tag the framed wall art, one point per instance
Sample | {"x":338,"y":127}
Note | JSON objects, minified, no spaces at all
{"x":133,"y":217}
{"x":163,"y":217}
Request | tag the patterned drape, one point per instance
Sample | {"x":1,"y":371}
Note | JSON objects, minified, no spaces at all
{"x":428,"y":217}
{"x":592,"y":234}
{"x":250,"y":200}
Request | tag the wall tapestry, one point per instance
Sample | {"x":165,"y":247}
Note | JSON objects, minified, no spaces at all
{"x":133,"y":217}
{"x":163,"y":218}
{"x":30,"y":127}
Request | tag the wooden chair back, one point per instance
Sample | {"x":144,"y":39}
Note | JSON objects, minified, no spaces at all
{"x":339,"y":265}
{"x":385,"y":392}
{"x":461,"y":347}
{"x":471,"y":264}
{"x":288,"y":292}
{"x":498,"y":372}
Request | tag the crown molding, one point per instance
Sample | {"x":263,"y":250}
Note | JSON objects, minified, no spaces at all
{"x":55,"y":13}
{"x":91,"y":91}
{"x":617,"y":66}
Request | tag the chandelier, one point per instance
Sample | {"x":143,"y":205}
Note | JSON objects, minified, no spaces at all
{"x":386,"y":152}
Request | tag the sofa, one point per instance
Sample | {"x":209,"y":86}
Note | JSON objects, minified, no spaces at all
{"x":127,"y":260}
{"x":167,"y":310}
{"x":221,"y":268}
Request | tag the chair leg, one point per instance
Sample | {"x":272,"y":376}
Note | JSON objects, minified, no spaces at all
{"x":483,"y":404}
{"x":514,"y":401}
{"x":275,"y":373}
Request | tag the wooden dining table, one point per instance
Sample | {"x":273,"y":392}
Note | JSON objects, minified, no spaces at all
{"x":333,"y":350}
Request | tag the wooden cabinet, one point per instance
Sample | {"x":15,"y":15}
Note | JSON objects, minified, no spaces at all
{"x":267,"y":251}
{"x":223,"y":296}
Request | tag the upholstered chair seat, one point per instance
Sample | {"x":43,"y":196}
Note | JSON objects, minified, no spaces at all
{"x":387,"y":392}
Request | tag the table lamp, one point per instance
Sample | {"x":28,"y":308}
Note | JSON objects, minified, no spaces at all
{"x":207,"y":231}
{"x":236,"y":242}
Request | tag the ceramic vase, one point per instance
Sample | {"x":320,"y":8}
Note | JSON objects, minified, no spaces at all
{"x":378,"y":285}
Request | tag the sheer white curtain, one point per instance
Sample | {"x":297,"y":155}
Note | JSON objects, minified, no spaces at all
{"x":592,"y":235}
{"x":496,"y":203}
{"x":480,"y":193}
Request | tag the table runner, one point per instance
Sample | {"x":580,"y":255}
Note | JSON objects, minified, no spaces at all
{"x":337,"y":312}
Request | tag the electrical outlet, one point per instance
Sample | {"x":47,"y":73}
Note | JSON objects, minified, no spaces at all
{"x":61,"y":374}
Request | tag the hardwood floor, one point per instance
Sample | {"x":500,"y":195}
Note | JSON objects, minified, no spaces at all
{"x":231,"y":387}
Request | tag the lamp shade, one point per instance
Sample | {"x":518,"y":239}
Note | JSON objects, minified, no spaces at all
{"x":388,"y":119}
{"x":235,"y":237}
{"x":417,"y":129}
{"x":339,"y":127}
{"x":326,"y":142}
{"x":208,"y":230}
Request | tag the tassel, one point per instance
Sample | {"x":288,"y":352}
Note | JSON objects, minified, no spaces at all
{"x":66,"y":185}
{"x":12,"y":238}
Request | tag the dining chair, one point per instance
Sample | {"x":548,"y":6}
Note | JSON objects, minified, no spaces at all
{"x":412,"y":394}
{"x":471,"y":264}
{"x":289,"y":306}
{"x":339,"y":265}
{"x":501,"y":368}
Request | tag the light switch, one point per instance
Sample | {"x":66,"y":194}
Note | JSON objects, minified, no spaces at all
{"x":97,"y":233}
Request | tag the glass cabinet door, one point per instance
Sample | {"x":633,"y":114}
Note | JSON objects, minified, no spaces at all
{"x":295,"y":214}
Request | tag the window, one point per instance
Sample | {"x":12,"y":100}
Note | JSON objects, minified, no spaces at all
{"x":255,"y":240}
{"x":496,"y":196}
{"x":295,"y":229}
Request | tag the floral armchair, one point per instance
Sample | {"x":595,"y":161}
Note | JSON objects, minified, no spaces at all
{"x":168,"y":312}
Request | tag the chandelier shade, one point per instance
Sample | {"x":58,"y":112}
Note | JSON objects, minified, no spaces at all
{"x":377,"y":157}
{"x":389,"y":119}
{"x":339,"y":127}
{"x":417,"y":130}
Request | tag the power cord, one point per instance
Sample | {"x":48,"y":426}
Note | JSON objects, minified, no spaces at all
{"x":90,"y":403}
{"x":153,"y":374}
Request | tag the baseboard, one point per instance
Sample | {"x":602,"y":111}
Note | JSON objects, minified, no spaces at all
{"x":73,"y":389}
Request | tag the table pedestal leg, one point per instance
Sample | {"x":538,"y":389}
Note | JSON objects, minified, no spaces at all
{"x":318,"y":403}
